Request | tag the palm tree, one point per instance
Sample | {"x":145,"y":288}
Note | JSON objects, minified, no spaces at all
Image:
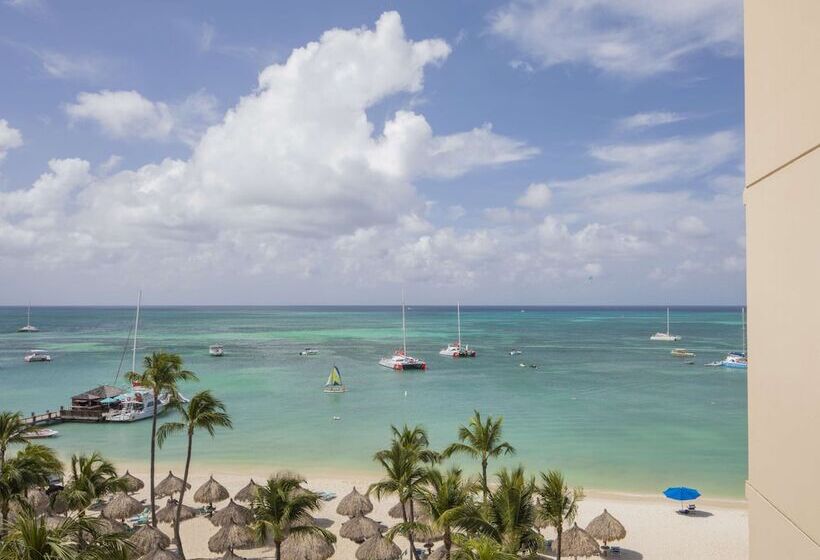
{"x":30,"y":539}
{"x":405,"y":477}
{"x":282,"y":508}
{"x":445,"y":496}
{"x":481,"y":439}
{"x":12,"y":430}
{"x":481,"y":548}
{"x":31,"y":467}
{"x":415,"y":439}
{"x":163,"y":371}
{"x":557,"y":503}
{"x":508,"y":516}
{"x":204,"y":412}
{"x":91,"y":477}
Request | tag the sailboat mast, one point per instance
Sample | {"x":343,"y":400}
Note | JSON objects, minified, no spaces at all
{"x":667,"y":320}
{"x":403,"y":326}
{"x":743,"y":320}
{"x":136,"y":326}
{"x":458,"y":314}
{"x":28,"y":314}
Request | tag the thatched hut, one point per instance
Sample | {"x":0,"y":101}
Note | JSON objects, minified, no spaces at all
{"x":232,"y":513}
{"x":168,"y":513}
{"x":438,"y":554}
{"x":308,"y":546}
{"x":211,"y":492}
{"x":378,"y":548}
{"x":578,"y":543}
{"x":354,"y":504}
{"x":359,"y":529}
{"x":159,"y":554}
{"x":107,"y":526}
{"x":420,"y":511}
{"x":59,"y":504}
{"x":248,"y":493}
{"x":122,"y":506}
{"x":606,"y":528}
{"x":39,"y":501}
{"x":132,"y":483}
{"x":147,"y":539}
{"x":170,"y":485}
{"x":232,"y":536}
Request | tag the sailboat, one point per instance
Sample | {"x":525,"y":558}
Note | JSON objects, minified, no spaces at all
{"x":456,"y":350}
{"x":665,"y":337}
{"x":29,"y":327}
{"x":400,"y":361}
{"x":738,"y":360}
{"x":334,"y":382}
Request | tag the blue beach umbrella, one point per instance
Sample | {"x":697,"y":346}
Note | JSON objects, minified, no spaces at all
{"x":681,"y":493}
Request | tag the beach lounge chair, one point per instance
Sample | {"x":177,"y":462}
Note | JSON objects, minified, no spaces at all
{"x":690,"y":508}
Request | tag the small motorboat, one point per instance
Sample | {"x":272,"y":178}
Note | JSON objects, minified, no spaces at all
{"x":216,"y":350}
{"x":682,"y":353}
{"x":515,"y":352}
{"x":37,"y":356}
{"x":528,"y":365}
{"x":41,"y":433}
{"x":309,"y":352}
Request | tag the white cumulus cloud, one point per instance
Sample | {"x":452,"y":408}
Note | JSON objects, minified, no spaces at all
{"x":536,"y":197}
{"x":10,"y":138}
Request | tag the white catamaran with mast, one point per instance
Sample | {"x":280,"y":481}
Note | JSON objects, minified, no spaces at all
{"x":667,"y":336}
{"x":738,"y":360}
{"x":400,"y":361}
{"x":456,"y":350}
{"x":29,"y":327}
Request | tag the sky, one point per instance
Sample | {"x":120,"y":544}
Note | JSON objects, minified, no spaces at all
{"x":539,"y":152}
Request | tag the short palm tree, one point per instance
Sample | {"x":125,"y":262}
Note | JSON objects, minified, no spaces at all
{"x":508,"y":517}
{"x":445,"y":496}
{"x":12,"y":430}
{"x":204,"y":412}
{"x":481,"y":548}
{"x":90,"y":478}
{"x":415,"y":439}
{"x":32,"y":466}
{"x":163,"y":371}
{"x":282,"y":509}
{"x":557,"y":504}
{"x":481,"y":439}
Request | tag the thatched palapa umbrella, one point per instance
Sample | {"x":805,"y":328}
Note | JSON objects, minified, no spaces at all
{"x":606,"y":528}
{"x":419,"y":511}
{"x":577,"y":542}
{"x":39,"y":501}
{"x":159,"y":554}
{"x":438,"y":554}
{"x":308,"y":546}
{"x":132,"y":483}
{"x":378,"y":548}
{"x":170,"y":485}
{"x":107,"y":526}
{"x":59,"y":504}
{"x":54,"y":521}
{"x":248,"y":493}
{"x":147,"y":539}
{"x":169,"y":512}
{"x":354,"y":504}
{"x":232,"y":536}
{"x":211,"y":492}
{"x":359,"y":529}
{"x":122,"y":506}
{"x":232,"y":513}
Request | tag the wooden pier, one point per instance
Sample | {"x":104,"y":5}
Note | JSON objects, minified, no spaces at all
{"x":47,"y":417}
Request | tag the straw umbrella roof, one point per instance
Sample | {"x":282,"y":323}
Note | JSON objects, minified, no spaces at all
{"x":232,"y":513}
{"x":354,"y":504}
{"x":378,"y":548}
{"x":359,"y":529}
{"x":39,"y":502}
{"x":211,"y":492}
{"x":438,"y":554}
{"x":232,"y":536}
{"x":54,"y":521}
{"x":107,"y":526}
{"x":169,"y":512}
{"x":59,"y":505}
{"x":170,"y":485}
{"x":122,"y":506}
{"x":606,"y":528}
{"x":419,"y":510}
{"x":577,"y":542}
{"x":229,"y":555}
{"x":159,"y":554}
{"x":248,"y":493}
{"x":308,"y":546}
{"x":132,"y":483}
{"x":146,"y":539}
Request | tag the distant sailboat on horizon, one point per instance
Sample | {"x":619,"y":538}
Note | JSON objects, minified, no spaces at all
{"x":667,"y":336}
{"x":29,"y":327}
{"x":456,"y":350}
{"x":400,"y":361}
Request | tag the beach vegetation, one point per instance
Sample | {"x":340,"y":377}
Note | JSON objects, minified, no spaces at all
{"x":557,"y":503}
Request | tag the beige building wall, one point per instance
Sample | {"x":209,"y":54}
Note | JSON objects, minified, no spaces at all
{"x":782,"y":195}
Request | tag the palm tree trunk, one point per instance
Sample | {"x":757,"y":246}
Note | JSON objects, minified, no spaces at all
{"x":278,"y":547}
{"x":410,"y":534}
{"x":559,"y":531}
{"x":448,"y":542}
{"x":153,"y":455}
{"x":484,"y":489}
{"x":182,"y":495}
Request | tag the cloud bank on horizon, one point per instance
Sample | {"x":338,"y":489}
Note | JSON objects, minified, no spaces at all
{"x":328,"y":183}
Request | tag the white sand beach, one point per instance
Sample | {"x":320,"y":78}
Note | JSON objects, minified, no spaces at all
{"x":718,"y":530}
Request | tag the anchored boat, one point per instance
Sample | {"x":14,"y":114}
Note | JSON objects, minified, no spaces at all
{"x":400,"y":361}
{"x":456,"y":350}
{"x":37,"y":356}
{"x":665,"y":337}
{"x":29,"y":327}
{"x":334,"y":382}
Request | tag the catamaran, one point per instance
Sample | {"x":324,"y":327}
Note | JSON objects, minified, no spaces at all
{"x":37,"y":356}
{"x":216,"y":350}
{"x":29,"y":327}
{"x":455,"y":349}
{"x":334,"y":382}
{"x":400,"y":361}
{"x":738,"y":360}
{"x":309,"y":352}
{"x":665,"y":337}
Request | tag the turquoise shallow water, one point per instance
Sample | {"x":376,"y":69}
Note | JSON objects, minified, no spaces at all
{"x":606,"y":405}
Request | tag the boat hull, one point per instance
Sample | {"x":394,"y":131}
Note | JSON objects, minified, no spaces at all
{"x":401,"y":366}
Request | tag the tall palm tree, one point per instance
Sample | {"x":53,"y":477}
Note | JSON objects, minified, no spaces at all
{"x":12,"y":430}
{"x":282,"y":507}
{"x":90,"y":478}
{"x":557,"y":504}
{"x":445,"y":496}
{"x":163,"y":371}
{"x":204,"y":412}
{"x":481,"y":439}
{"x":508,"y":516}
{"x":30,"y":539}
{"x":31,"y":467}
{"x":481,"y":548}
{"x":405,"y":476}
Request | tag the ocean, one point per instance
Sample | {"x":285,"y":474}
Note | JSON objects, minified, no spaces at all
{"x":610,"y":408}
